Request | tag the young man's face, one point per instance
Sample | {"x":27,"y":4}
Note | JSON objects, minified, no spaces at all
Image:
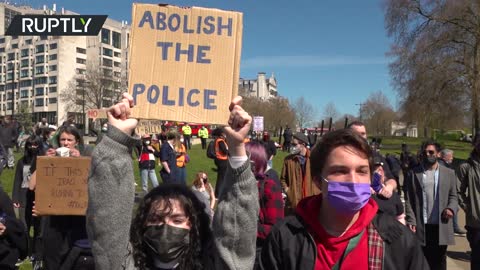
{"x":346,"y":164}
{"x":360,"y":130}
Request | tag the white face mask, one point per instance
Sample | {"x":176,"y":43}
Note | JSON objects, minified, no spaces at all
{"x":181,"y":140}
{"x":147,"y":142}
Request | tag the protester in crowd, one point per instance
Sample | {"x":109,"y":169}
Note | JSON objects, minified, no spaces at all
{"x":22,"y":197}
{"x":42,"y":124}
{"x":407,"y":159}
{"x":169,"y":158}
{"x":446,"y":159}
{"x":269,"y":147}
{"x":287,"y":138}
{"x":203,"y":134}
{"x":146,"y":163}
{"x":70,"y":121}
{"x":430,"y":201}
{"x":187,"y":135}
{"x":269,"y":192}
{"x":162,"y":136}
{"x":60,"y":234}
{"x":296,"y":177}
{"x":202,"y":187}
{"x":3,"y":158}
{"x":469,"y":200}
{"x":46,"y":135}
{"x":170,"y":229}
{"x":390,"y":183}
{"x":311,"y":138}
{"x":8,"y":135}
{"x":221,"y":157}
{"x":344,"y":214}
{"x":13,"y":236}
{"x":182,"y":160}
{"x":392,"y":206}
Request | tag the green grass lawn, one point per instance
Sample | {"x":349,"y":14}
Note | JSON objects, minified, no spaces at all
{"x":200,"y":162}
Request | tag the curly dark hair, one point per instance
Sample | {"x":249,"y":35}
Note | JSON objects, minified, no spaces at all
{"x":200,"y":233}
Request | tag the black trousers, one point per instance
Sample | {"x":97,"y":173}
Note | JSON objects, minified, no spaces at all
{"x":187,"y":143}
{"x":204,"y":143}
{"x":222,"y":166}
{"x":473,"y":237}
{"x":435,"y":254}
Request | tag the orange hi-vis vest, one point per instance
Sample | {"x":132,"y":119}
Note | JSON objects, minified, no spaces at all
{"x":181,"y":159}
{"x":218,"y":154}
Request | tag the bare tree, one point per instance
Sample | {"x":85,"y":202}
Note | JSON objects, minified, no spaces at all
{"x":378,"y":114}
{"x":437,"y":59}
{"x":304,"y":112}
{"x":93,"y":88}
{"x":277,"y":111}
{"x":330,"y":111}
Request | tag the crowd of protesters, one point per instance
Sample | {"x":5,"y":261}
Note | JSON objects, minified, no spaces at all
{"x":336,"y":203}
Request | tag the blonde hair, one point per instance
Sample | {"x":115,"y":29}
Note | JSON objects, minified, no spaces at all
{"x":197,"y":182}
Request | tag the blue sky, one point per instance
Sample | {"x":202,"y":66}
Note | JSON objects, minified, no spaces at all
{"x":323,"y":50}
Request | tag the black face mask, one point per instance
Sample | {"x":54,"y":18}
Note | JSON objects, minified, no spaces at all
{"x":167,"y":243}
{"x":430,"y":160}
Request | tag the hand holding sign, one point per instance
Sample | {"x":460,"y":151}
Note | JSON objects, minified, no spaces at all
{"x":118,"y":115}
{"x":239,"y":126}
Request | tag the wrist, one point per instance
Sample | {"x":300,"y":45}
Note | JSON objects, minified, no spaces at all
{"x":237,"y":150}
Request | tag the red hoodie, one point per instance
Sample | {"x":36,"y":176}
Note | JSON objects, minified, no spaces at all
{"x":331,"y":248}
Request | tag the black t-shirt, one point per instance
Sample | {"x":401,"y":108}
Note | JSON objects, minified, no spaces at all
{"x":392,"y":206}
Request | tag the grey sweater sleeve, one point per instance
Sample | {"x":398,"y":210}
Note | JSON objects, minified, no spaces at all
{"x":111,"y":194}
{"x":235,"y":221}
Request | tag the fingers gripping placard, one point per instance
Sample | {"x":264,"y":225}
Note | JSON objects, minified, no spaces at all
{"x":62,"y":185}
{"x":184,"y":62}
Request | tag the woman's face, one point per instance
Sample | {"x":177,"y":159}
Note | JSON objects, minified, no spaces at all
{"x":68,"y":140}
{"x":176,"y":218}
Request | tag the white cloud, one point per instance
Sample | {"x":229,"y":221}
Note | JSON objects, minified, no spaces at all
{"x":310,"y":61}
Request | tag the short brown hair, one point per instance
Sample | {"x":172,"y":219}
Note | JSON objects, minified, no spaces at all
{"x":332,"y":140}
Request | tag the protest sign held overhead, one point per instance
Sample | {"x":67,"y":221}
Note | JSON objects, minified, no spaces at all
{"x":258,"y":123}
{"x":97,"y":114}
{"x":62,"y":185}
{"x":184,"y":63}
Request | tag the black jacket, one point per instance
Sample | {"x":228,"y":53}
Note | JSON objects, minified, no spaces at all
{"x":289,"y":246}
{"x":144,"y":161}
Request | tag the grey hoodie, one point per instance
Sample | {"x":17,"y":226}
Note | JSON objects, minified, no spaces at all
{"x":111,"y":196}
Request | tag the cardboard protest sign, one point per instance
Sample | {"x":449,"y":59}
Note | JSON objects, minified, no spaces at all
{"x":148,"y":127}
{"x":184,"y":62}
{"x":62,"y":185}
{"x":258,"y":123}
{"x":97,"y":113}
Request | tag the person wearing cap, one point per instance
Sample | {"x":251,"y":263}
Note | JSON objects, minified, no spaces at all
{"x":295,"y":177}
{"x":146,"y":162}
{"x":469,"y":200}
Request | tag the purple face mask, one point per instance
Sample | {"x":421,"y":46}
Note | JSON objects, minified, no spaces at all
{"x":346,"y":197}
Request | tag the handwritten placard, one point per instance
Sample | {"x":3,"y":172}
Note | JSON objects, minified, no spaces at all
{"x":97,"y":113}
{"x":258,"y":123}
{"x":148,"y":127}
{"x":62,"y":185}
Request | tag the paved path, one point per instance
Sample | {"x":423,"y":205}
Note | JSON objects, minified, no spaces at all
{"x":457,"y":257}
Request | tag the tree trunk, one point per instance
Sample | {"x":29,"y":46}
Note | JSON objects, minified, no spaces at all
{"x":475,"y":88}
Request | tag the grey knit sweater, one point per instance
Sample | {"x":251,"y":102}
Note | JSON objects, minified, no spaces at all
{"x":111,"y":195}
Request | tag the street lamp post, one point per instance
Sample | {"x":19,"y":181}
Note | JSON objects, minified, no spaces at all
{"x":360,"y":110}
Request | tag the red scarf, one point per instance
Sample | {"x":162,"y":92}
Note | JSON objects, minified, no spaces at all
{"x":330,"y":248}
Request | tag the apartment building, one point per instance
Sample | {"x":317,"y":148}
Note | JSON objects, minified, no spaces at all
{"x":35,"y":70}
{"x":261,"y":87}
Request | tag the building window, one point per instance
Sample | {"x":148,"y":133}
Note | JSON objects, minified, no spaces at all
{"x":2,"y":40}
{"x":15,"y":46}
{"x":53,"y":80}
{"x":39,"y":102}
{"x":39,"y":91}
{"x":24,"y":52}
{"x":81,"y":50}
{"x":39,"y":59}
{"x":23,"y":93}
{"x":28,"y":41}
{"x":52,"y":89}
{"x":52,"y":100}
{"x":107,"y":62}
{"x":116,"y":64}
{"x":117,"y":40}
{"x":53,"y":46}
{"x":9,"y":76}
{"x":42,"y":80}
{"x":9,"y":105}
{"x":81,"y":61}
{"x":2,"y":49}
{"x":107,"y":52}
{"x":39,"y":70}
{"x":52,"y":57}
{"x":117,"y":74}
{"x":9,"y":96}
{"x":40,"y":48}
{"x":117,"y":54}
{"x":81,"y":71}
{"x":24,"y":63}
{"x":105,"y":36}
{"x":24,"y":73}
{"x":25,"y":83}
{"x":11,"y":56}
{"x":52,"y":68}
{"x":10,"y":66}
{"x":43,"y":37}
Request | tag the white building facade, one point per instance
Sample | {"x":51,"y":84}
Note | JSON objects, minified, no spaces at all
{"x":261,"y":87}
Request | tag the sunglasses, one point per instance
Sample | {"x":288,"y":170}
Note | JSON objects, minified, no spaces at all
{"x":430,"y":152}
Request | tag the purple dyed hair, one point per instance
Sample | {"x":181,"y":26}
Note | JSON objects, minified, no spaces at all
{"x":258,"y":158}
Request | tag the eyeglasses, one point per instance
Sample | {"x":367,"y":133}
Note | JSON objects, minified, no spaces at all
{"x":430,"y":152}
